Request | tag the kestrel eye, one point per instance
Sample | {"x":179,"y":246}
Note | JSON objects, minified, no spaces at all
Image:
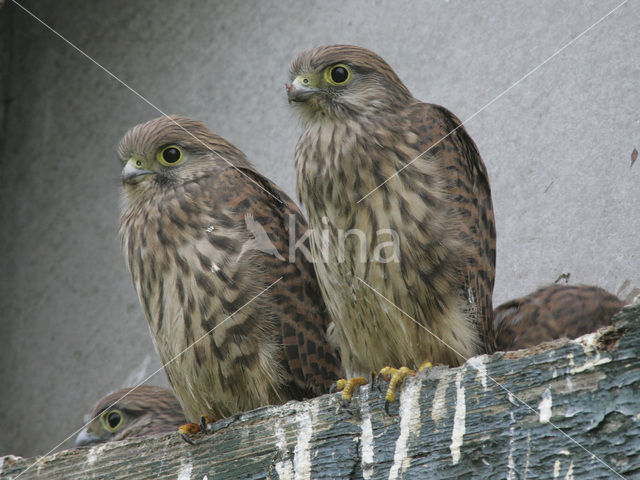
{"x":170,"y":155}
{"x":338,"y":75}
{"x":112,"y":419}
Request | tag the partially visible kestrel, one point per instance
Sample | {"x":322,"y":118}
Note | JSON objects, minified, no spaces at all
{"x":376,"y":166}
{"x":552,"y":312}
{"x":233,"y":307}
{"x":145,"y":410}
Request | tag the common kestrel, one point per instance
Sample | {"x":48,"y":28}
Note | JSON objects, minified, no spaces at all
{"x":553,"y":312}
{"x":235,"y":311}
{"x":400,"y":214}
{"x":132,"y":412}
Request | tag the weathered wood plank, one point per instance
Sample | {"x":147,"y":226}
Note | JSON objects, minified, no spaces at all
{"x":584,"y":422}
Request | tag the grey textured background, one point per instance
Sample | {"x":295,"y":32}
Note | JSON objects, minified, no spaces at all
{"x":558,"y":148}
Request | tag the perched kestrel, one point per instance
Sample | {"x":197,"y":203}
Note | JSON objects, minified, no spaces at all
{"x":234,"y":309}
{"x":553,"y":312}
{"x":145,"y":410}
{"x":400,"y":214}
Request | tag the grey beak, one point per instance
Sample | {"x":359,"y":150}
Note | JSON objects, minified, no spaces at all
{"x":132,"y":175}
{"x":85,"y":438}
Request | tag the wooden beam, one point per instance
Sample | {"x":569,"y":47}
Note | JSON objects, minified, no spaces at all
{"x":565,"y":409}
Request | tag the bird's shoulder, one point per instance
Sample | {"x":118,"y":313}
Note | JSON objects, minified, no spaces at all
{"x":244,"y":188}
{"x":441,"y":131}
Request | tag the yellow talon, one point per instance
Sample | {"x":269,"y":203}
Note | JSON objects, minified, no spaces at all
{"x":425,"y":364}
{"x":394,"y":376}
{"x":347,"y":386}
{"x":189,"y":429}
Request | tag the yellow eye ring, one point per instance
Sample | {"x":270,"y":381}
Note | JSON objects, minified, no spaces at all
{"x":170,"y":155}
{"x":337,"y":74}
{"x":112,"y":420}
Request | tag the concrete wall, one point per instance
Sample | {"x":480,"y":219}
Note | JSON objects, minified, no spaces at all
{"x":558,"y":148}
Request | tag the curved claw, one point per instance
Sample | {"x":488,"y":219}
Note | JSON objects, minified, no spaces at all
{"x":204,"y":421}
{"x":346,"y":387}
{"x":187,"y":430}
{"x":395,"y":376}
{"x":186,"y":438}
{"x":345,"y":405}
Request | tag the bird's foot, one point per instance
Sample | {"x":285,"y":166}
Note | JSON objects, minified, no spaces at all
{"x":396,"y":376}
{"x":346,"y":387}
{"x":187,"y":430}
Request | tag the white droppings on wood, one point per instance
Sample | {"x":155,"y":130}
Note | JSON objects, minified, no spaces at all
{"x":366,"y":438}
{"x":95,"y":452}
{"x":569,"y":475}
{"x":302,"y":451}
{"x":186,"y":467}
{"x":10,"y":459}
{"x":511,"y":466}
{"x":438,"y":408}
{"x":409,"y":423}
{"x":590,"y":364}
{"x":41,"y":462}
{"x":459,"y":419}
{"x":284,"y":467}
{"x":556,"y":469}
{"x":544,"y":407}
{"x":214,"y":267}
{"x":479,"y":363}
{"x":570,"y":360}
{"x":569,"y":383}
{"x":588,"y":342}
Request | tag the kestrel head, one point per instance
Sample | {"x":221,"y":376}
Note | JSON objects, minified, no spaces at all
{"x":172,"y":150}
{"x":344,"y":80}
{"x":146,"y":410}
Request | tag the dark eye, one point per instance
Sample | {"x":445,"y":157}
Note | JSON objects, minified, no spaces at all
{"x":339,"y":74}
{"x":170,"y":155}
{"x":112,"y":419}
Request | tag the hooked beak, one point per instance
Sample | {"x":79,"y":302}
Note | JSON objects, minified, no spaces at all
{"x":301,"y":89}
{"x":86,"y":438}
{"x":132,"y":173}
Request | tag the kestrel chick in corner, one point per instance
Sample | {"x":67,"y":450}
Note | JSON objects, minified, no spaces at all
{"x":552,"y":312}
{"x":237,"y":319}
{"x":400,"y":214}
{"x":145,"y":410}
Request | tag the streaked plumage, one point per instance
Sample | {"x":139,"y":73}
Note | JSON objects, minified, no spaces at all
{"x":553,"y":312}
{"x":355,"y":137}
{"x":196,"y":255}
{"x":145,"y":410}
